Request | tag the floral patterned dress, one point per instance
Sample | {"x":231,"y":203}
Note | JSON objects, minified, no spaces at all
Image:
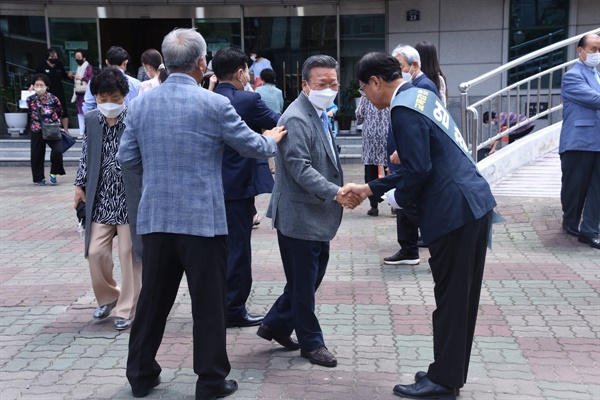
{"x":376,"y":124}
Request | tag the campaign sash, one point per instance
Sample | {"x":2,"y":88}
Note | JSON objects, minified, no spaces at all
{"x":428,"y":104}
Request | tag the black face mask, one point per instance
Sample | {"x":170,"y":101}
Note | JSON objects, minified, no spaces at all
{"x":79,"y":62}
{"x":53,"y":60}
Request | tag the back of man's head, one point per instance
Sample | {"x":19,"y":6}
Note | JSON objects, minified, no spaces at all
{"x":268,"y":75}
{"x":227,"y":61}
{"x":182,"y":48}
{"x":409,"y":53}
{"x":382,"y":65}
{"x":116,"y":56}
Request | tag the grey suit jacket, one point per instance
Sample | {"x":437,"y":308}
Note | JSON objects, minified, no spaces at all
{"x":132,"y":182}
{"x":175,"y":137}
{"x":307,"y":178}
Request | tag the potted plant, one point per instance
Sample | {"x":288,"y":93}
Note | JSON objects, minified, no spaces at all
{"x":344,"y":118}
{"x":15,"y":117}
{"x":350,"y":98}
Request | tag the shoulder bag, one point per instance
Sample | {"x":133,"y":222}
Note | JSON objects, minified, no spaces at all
{"x":50,"y":130}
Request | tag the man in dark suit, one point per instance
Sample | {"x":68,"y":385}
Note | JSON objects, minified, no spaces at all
{"x":306,"y":208}
{"x":243,"y":179}
{"x":407,"y":229}
{"x":454,"y":208}
{"x":580,"y":144}
{"x":177,"y":148}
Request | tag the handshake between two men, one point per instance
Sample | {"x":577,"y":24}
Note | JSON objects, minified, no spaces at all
{"x":351,"y":194}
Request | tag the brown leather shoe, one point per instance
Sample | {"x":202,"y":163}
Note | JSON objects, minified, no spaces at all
{"x":286,"y":341}
{"x":320,"y":356}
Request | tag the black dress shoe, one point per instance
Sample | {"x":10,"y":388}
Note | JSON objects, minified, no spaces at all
{"x":425,"y":388}
{"x":145,"y":391}
{"x":593,"y":242}
{"x":401,"y":259}
{"x":229,"y":387}
{"x":421,"y":374}
{"x":373,"y":212}
{"x":247,"y":320}
{"x":286,"y":341}
{"x":570,"y":231}
{"x":320,"y":356}
{"x":104,"y":311}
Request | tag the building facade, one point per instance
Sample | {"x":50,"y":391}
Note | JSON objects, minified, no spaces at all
{"x":472,"y":36}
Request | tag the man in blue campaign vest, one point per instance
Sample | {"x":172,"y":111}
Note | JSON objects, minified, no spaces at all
{"x":454,"y":210}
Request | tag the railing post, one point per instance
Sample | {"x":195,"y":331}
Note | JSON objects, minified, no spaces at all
{"x":464,"y":126}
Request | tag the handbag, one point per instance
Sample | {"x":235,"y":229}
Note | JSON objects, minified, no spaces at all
{"x":80,"y":86}
{"x":50,"y":130}
{"x":67,"y":141}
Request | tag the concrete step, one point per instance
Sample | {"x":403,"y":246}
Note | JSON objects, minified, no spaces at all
{"x":16,"y":150}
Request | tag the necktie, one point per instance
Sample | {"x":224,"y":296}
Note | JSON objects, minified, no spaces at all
{"x":597,"y":75}
{"x":325,"y":123}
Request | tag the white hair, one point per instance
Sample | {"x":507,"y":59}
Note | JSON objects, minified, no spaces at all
{"x":182,"y":48}
{"x":409,"y":53}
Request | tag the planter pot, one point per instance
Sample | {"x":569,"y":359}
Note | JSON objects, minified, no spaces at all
{"x":344,"y":122}
{"x":356,"y":101}
{"x":16,"y":122}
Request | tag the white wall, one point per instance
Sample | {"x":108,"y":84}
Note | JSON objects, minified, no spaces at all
{"x":467,"y":33}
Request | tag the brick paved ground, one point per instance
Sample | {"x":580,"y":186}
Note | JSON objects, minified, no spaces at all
{"x":537,"y":336}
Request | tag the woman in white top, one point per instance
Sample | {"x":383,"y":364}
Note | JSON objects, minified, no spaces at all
{"x":152,"y":62}
{"x":431,"y":68}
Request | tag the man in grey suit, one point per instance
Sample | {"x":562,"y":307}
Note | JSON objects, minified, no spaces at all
{"x":174,"y":138}
{"x":306,"y":208}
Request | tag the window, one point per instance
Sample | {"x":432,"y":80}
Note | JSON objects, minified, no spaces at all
{"x":535,"y":24}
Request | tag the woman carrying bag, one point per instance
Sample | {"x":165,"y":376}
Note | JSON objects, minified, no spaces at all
{"x":44,"y":111}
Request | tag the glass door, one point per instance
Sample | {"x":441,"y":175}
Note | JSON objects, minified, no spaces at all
{"x":287,"y":42}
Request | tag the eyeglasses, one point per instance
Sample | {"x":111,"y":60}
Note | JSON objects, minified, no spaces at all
{"x":322,"y":86}
{"x":361,"y":89}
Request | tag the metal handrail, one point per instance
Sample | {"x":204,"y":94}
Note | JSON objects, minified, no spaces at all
{"x":473,"y":107}
{"x":536,"y":40}
{"x":473,"y":137}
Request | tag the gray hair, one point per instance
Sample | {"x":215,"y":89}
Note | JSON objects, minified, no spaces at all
{"x":409,"y":53}
{"x":317,"y":61}
{"x":182,"y":48}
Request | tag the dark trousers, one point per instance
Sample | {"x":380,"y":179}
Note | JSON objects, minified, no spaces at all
{"x":372,"y":173}
{"x":407,"y":231}
{"x":457,"y":262}
{"x":580,"y":191}
{"x":165,"y":258}
{"x":38,"y":153}
{"x":304,"y":264}
{"x":239,"y":260}
{"x":516,"y":136}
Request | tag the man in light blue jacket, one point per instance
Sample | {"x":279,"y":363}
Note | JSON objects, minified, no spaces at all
{"x":580,"y":144}
{"x":174,"y":138}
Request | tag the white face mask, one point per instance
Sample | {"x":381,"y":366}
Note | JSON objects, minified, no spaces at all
{"x":253,"y":58}
{"x":592,"y":59}
{"x":244,"y":81}
{"x":111,"y":110}
{"x":40,"y":91}
{"x":322,"y":99}
{"x":407,"y":76}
